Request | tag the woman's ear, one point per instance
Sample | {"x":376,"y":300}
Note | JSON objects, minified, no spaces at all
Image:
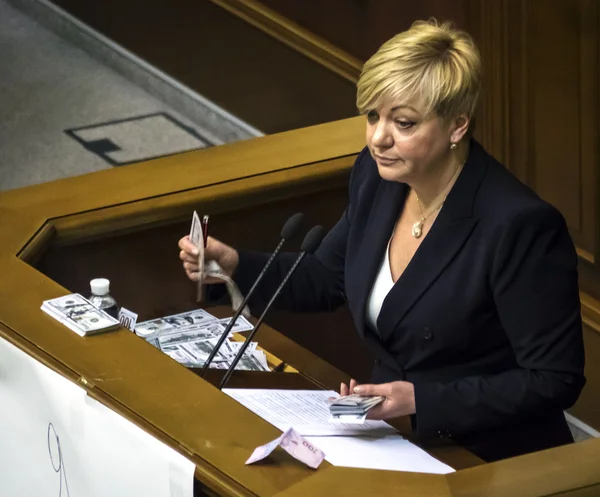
{"x":459,"y":128}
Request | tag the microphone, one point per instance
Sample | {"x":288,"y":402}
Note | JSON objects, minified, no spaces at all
{"x":310,"y":244}
{"x":290,"y":230}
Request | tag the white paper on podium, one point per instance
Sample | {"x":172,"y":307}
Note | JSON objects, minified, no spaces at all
{"x":55,"y":440}
{"x":389,"y":452}
{"x":307,"y":411}
{"x":374,"y":445}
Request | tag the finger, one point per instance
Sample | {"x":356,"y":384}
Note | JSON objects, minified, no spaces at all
{"x":191,"y":267}
{"x":353,"y":385}
{"x":187,"y":257}
{"x":187,"y":246}
{"x":192,"y":275}
{"x":371,"y":390}
{"x":343,"y":390}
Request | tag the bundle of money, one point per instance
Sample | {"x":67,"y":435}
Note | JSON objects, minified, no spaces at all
{"x":189,"y":338}
{"x":79,"y":314}
{"x":352,"y":408}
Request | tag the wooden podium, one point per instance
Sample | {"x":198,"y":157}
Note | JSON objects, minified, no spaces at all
{"x":124,"y":224}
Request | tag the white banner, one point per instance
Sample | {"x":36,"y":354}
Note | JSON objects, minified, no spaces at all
{"x":56,"y":441}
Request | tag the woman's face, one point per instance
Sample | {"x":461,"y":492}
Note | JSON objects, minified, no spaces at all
{"x":408,"y":145}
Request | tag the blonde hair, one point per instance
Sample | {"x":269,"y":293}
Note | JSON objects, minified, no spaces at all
{"x":436,"y":64}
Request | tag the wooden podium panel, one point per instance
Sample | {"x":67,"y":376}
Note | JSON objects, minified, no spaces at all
{"x":124,"y":223}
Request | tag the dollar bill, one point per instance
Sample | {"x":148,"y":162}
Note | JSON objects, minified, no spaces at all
{"x":179,"y":354}
{"x":173,"y":323}
{"x":201,"y":349}
{"x":241,"y":324}
{"x":182,"y":337}
{"x":355,"y":419}
{"x":352,"y":408}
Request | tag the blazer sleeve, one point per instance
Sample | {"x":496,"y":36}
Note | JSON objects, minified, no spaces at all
{"x":535,"y":289}
{"x":318,"y":282}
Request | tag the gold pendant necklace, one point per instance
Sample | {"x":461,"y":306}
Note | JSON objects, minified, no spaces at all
{"x":417,"y":228}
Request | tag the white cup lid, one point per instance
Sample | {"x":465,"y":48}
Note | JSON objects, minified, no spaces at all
{"x":100,"y":286}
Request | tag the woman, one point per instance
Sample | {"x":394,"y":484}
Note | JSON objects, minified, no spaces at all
{"x":460,"y":279}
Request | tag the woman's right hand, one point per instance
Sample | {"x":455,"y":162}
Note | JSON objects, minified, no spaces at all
{"x":227,"y":257}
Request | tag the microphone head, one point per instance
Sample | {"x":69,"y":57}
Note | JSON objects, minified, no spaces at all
{"x":313,"y":239}
{"x":292,"y":226}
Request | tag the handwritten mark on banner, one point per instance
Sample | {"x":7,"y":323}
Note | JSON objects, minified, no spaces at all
{"x":56,"y":458}
{"x":295,"y":445}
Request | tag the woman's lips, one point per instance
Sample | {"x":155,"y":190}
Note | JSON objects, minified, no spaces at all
{"x":385,"y":161}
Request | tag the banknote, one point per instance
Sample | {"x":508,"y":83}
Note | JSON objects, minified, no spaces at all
{"x":300,"y":448}
{"x":355,"y":419}
{"x":181,"y":337}
{"x":356,"y":400}
{"x":190,"y":318}
{"x":179,"y":354}
{"x":263,"y":451}
{"x":295,"y":445}
{"x":241,"y":324}
{"x":352,"y":408}
{"x":201,"y":349}
{"x":196,"y":236}
{"x":175,"y":322}
{"x":249,"y":362}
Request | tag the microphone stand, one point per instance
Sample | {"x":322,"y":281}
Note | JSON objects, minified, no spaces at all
{"x":289,"y":230}
{"x":311,"y":242}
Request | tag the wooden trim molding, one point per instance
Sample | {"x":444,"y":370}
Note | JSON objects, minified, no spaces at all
{"x":164,"y":209}
{"x":590,"y":311}
{"x":585,"y":255}
{"x":295,"y":36}
{"x":34,"y":249}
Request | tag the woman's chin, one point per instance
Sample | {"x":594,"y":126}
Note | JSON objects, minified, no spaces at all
{"x":391,"y":173}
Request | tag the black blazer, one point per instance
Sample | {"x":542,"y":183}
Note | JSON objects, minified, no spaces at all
{"x":485,"y":320}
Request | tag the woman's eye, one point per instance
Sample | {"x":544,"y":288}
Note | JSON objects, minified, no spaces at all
{"x":405,"y":124}
{"x":372,"y":116}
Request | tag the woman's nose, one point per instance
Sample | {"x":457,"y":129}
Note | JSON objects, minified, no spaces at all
{"x":382,"y":136}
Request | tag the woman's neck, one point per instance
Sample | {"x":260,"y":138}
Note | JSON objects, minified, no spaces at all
{"x":435,"y":186}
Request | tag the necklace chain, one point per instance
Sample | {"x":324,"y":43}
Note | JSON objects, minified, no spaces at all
{"x":417,"y":229}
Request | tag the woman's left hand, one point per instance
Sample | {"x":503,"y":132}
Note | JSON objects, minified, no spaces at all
{"x":399,"y":399}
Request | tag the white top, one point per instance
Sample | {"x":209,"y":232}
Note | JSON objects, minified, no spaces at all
{"x":100,"y":286}
{"x":382,"y":286}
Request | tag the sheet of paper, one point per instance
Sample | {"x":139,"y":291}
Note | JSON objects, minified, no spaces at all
{"x":389,"y":452}
{"x":307,"y":411}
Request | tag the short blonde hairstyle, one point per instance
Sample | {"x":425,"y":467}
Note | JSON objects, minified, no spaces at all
{"x":434,"y":63}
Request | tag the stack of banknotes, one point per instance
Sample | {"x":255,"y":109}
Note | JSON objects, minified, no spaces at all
{"x":352,"y":408}
{"x":79,"y":314}
{"x":189,"y":338}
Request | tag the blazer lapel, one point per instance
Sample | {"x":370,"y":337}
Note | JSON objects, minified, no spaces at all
{"x":452,"y":228}
{"x":389,"y":199}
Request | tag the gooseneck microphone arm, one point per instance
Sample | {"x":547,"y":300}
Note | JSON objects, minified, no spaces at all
{"x":290,"y":230}
{"x":310,"y":244}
